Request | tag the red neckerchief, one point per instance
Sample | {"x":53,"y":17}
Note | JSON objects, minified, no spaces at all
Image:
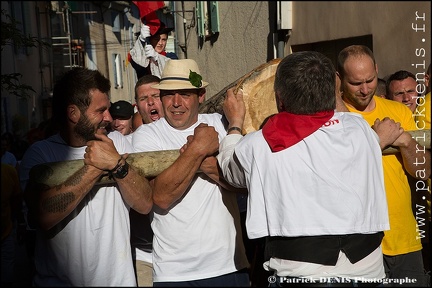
{"x":163,"y":53}
{"x":285,"y":129}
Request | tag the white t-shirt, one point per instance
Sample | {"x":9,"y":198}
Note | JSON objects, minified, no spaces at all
{"x":129,"y":137}
{"x":93,"y":248}
{"x":200,"y":236}
{"x":330,"y":183}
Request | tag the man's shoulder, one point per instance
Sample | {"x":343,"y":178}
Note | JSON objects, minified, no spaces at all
{"x":393,"y":109}
{"x":116,"y":136}
{"x":51,"y":149}
{"x":213,"y":119}
{"x":391,"y":104}
{"x":121,"y":142}
{"x":353,"y":120}
{"x":211,"y":116}
{"x":8,"y":155}
{"x":52,"y":141}
{"x":149,"y":133}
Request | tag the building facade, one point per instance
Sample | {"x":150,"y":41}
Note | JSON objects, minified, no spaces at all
{"x":227,"y":39}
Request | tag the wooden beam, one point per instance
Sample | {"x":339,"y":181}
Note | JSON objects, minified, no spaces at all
{"x":423,"y":137}
{"x":150,"y":164}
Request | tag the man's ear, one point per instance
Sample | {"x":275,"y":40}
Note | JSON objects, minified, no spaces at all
{"x":279,"y":103}
{"x":338,"y":83}
{"x":201,"y":95}
{"x":73,"y":113}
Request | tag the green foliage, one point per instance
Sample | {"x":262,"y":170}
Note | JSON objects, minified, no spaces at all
{"x":195,"y":79}
{"x":11,"y":83}
{"x":12,"y":36}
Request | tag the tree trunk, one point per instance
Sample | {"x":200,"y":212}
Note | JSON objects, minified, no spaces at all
{"x":149,"y":163}
{"x":258,"y":95}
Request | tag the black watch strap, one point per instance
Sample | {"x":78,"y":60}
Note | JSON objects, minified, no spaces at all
{"x":121,"y":171}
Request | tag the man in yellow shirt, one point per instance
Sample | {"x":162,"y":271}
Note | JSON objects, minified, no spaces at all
{"x":404,"y":87}
{"x":401,"y":244}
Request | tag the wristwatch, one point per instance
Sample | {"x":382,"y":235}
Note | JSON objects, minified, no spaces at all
{"x":121,"y":171}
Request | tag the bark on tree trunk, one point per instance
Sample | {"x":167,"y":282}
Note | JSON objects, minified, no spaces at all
{"x":258,"y":95}
{"x":149,"y":163}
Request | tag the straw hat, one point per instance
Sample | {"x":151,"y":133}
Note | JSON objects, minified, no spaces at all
{"x":180,"y":74}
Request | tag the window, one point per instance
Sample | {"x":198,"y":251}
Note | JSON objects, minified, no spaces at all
{"x":115,"y":17}
{"x":91,"y":54}
{"x":207,"y":18}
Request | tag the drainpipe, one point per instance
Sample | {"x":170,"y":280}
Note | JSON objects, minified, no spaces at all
{"x":284,"y":25}
{"x":180,"y":29}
